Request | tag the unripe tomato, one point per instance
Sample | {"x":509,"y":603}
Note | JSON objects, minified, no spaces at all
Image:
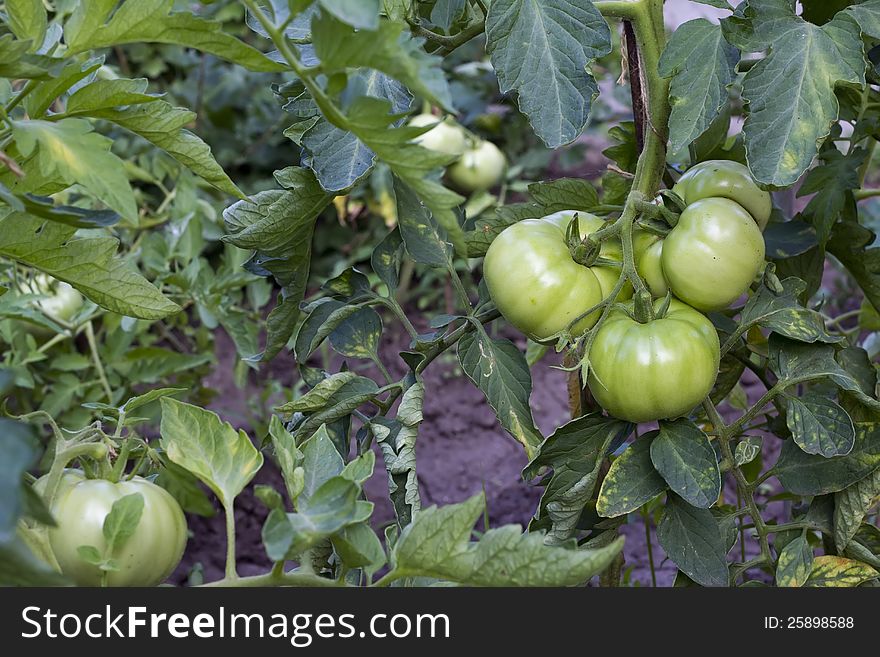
{"x":147,"y":558}
{"x":725,"y":179}
{"x":535,"y":283}
{"x":59,"y":300}
{"x":479,"y":168}
{"x":661,"y":369}
{"x":444,"y":137}
{"x":651,"y":270}
{"x":713,"y":254}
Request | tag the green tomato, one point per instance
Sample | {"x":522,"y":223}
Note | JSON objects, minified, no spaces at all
{"x":535,"y":283}
{"x":725,"y":179}
{"x":651,"y":270}
{"x":58,"y":300}
{"x":147,"y":558}
{"x":661,"y":369}
{"x":444,"y":137}
{"x":713,"y":254}
{"x":479,"y":168}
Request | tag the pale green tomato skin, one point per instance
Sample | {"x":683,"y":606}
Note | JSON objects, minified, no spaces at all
{"x":713,"y":254}
{"x":58,"y":299}
{"x":147,"y":558}
{"x":650,"y":269}
{"x":479,"y":168}
{"x":661,"y":369}
{"x":444,"y":137}
{"x":533,"y":280}
{"x":725,"y":179}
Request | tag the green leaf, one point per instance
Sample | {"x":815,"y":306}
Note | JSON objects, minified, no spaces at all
{"x":149,"y":397}
{"x":819,"y":425}
{"x":149,"y":21}
{"x":17,"y":455}
{"x":388,"y":49}
{"x":279,"y":224}
{"x":212,"y":450}
{"x":790,"y":93}
{"x":27,"y":20}
{"x":851,"y":244}
{"x":289,"y":458}
{"x":701,"y":64}
{"x":782,"y":313}
{"x":332,"y":398}
{"x":359,"y":547}
{"x":324,"y":316}
{"x":542,"y":51}
{"x":832,"y":185}
{"x":692,"y":539}
{"x":437,"y":544}
{"x":70,"y":149}
{"x":831,"y":571}
{"x":795,"y":362}
{"x":362,"y":14}
{"x":575,"y":452}
{"x":563,"y":194}
{"x":425,"y":240}
{"x":851,"y":505}
{"x":333,"y":506}
{"x":186,"y":489}
{"x":786,"y":239}
{"x":122,"y":521}
{"x":17,"y":62}
{"x":90,"y":554}
{"x":631,"y":480}
{"x":358,"y":335}
{"x":321,"y":462}
{"x":808,"y":474}
{"x":499,"y":369}
{"x":397,"y":440}
{"x":795,"y":563}
{"x":386,"y":259}
{"x":123,"y":102}
{"x":685,"y":458}
{"x":88,"y":263}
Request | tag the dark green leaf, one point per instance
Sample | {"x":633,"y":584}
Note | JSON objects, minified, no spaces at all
{"x":684,"y":457}
{"x":692,"y":539}
{"x":795,"y":563}
{"x":819,"y":425}
{"x":631,"y":480}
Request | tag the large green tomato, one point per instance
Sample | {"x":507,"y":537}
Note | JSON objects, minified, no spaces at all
{"x":479,"y":168}
{"x":725,"y":179}
{"x":444,"y":137}
{"x":535,"y":283}
{"x":661,"y":369}
{"x":713,"y":254}
{"x":147,"y":558}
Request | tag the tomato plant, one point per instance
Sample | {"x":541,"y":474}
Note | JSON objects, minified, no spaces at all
{"x":256,"y":207}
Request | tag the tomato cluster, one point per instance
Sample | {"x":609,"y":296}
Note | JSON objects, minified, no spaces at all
{"x":480,"y":165}
{"x":663,"y":367}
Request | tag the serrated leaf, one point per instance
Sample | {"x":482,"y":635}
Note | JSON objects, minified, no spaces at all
{"x":397,"y":440}
{"x":808,"y":474}
{"x":631,"y":481}
{"x":701,"y":64}
{"x":149,"y":397}
{"x":790,"y":93}
{"x":685,"y":458}
{"x":437,"y":544}
{"x":575,"y":452}
{"x":851,"y":505}
{"x":819,"y":425}
{"x":70,"y":148}
{"x":224,"y":459}
{"x":320,"y":462}
{"x":149,"y":21}
{"x":831,"y":571}
{"x":359,"y":547}
{"x":832,"y":184}
{"x":795,"y":563}
{"x":542,"y":51}
{"x":782,"y":313}
{"x":852,"y":244}
{"x":324,"y":316}
{"x":499,"y":369}
{"x":87,"y":263}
